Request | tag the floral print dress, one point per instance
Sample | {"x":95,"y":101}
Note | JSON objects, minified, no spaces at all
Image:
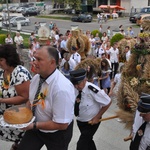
{"x":18,"y":76}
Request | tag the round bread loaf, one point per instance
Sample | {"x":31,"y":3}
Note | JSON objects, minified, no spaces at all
{"x":17,"y":115}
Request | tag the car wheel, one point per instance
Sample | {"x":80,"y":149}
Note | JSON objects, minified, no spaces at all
{"x":83,"y":20}
{"x":11,"y":25}
{"x":25,"y":23}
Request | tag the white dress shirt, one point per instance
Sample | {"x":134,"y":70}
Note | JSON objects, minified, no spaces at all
{"x":71,"y":62}
{"x":76,"y":57}
{"x":59,"y":101}
{"x":145,"y":141}
{"x":113,"y":55}
{"x":128,"y":55}
{"x":99,"y":51}
{"x":91,"y":102}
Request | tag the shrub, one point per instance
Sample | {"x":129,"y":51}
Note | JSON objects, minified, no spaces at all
{"x":116,"y":38}
{"x":96,"y":31}
{"x":2,"y":38}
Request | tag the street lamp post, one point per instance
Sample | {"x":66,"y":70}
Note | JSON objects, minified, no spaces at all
{"x":8,"y":16}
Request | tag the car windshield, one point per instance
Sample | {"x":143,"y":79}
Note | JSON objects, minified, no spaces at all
{"x":12,"y":18}
{"x":145,"y":10}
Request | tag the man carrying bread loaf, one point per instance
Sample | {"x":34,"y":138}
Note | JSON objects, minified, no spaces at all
{"x":52,"y":105}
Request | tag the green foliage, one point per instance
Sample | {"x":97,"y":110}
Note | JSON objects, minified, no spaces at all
{"x":90,"y":2}
{"x":25,"y":37}
{"x":55,"y":17}
{"x":116,"y":38}
{"x":96,"y":31}
{"x":2,"y":38}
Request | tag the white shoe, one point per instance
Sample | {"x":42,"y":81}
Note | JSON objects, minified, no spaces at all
{"x":119,"y":120}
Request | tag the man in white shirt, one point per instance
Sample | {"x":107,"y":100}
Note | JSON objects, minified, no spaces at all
{"x":141,"y":126}
{"x":63,"y":45}
{"x":67,"y":57}
{"x":53,"y":109}
{"x":18,"y":39}
{"x":92,"y":41}
{"x":75,"y":55}
{"x":99,"y":50}
{"x":114,"y":59}
{"x":128,"y":52}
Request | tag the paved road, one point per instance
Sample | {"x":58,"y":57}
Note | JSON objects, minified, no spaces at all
{"x":64,"y":25}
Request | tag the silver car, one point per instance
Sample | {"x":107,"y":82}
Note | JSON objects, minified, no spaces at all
{"x":13,"y":22}
{"x":20,"y":9}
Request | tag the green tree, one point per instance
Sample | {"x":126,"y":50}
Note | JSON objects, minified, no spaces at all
{"x":90,"y":2}
{"x":75,"y":4}
{"x":4,"y":1}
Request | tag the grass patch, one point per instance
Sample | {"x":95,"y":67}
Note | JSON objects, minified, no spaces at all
{"x":56,"y":17}
{"x":135,"y":26}
{"x":25,"y":37}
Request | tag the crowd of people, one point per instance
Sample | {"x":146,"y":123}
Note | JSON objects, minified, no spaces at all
{"x":69,"y":91}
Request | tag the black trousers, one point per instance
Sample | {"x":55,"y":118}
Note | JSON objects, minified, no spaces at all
{"x":87,"y":131}
{"x":35,"y":139}
{"x":114,"y":69}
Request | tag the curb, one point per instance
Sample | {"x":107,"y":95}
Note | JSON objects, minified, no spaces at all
{"x":27,"y":32}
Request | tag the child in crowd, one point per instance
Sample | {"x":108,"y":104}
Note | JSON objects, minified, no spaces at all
{"x":65,"y":70}
{"x":105,"y":77}
{"x":115,"y":85}
{"x":91,"y":75}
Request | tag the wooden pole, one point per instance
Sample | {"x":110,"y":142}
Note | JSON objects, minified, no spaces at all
{"x":104,"y":119}
{"x":128,"y":138}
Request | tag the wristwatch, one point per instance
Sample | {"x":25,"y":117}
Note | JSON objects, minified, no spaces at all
{"x":34,"y":125}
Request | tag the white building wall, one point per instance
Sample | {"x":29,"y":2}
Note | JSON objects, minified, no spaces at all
{"x":128,"y":4}
{"x":139,"y":3}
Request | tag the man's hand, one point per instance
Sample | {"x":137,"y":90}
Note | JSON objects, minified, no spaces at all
{"x":95,"y":120}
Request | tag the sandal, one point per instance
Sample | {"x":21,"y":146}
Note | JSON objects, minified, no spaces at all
{"x":14,"y":146}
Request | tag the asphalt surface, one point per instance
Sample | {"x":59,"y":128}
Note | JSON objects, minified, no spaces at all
{"x":65,"y":25}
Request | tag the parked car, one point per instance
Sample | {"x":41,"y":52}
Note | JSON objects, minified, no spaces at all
{"x":31,"y":11}
{"x":13,"y":22}
{"x":10,"y":17}
{"x":144,"y":10}
{"x":13,"y":9}
{"x":20,"y":9}
{"x":68,"y":11}
{"x":82,"y":18}
{"x":5,"y":10}
{"x":134,"y":18}
{"x":142,"y":18}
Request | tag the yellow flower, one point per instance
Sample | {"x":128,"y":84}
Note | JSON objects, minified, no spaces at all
{"x":42,"y":96}
{"x":6,"y":82}
{"x":134,"y":82}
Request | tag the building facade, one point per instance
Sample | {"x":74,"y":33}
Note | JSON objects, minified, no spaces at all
{"x":127,"y":4}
